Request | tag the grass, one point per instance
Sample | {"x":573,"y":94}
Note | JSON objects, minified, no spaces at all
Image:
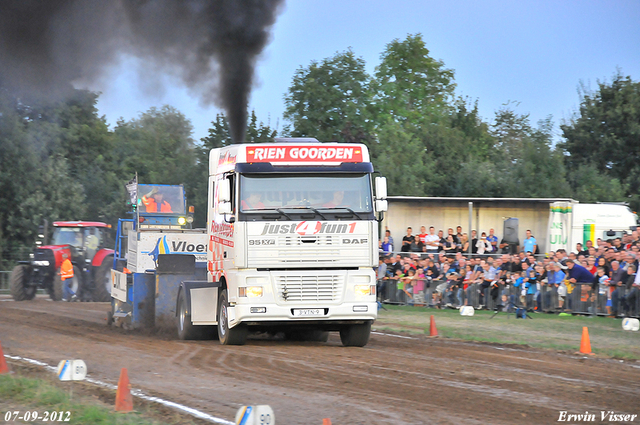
{"x":547,"y":331}
{"x":22,"y":393}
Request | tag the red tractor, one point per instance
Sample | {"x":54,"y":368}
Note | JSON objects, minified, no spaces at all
{"x":83,"y":243}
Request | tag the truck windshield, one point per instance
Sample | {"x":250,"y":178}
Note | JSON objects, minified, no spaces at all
{"x":160,"y":199}
{"x":321,"y":195}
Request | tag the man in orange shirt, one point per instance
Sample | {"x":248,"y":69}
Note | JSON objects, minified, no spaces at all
{"x":154,"y":198}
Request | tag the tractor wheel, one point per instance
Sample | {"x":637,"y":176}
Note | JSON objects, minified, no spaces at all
{"x":102,"y":281}
{"x":227,"y":336}
{"x":58,"y":285}
{"x":20,"y":289}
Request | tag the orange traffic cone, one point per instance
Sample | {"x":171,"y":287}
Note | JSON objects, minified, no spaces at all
{"x":124,"y":400}
{"x":3,"y":363}
{"x":326,"y":421}
{"x":585,"y":344}
{"x":432,"y":327}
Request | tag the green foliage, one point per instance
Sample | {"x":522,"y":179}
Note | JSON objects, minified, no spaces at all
{"x":605,"y":134}
{"x":328,"y":100}
{"x":409,"y":84}
{"x":402,"y":159}
{"x":34,"y":394}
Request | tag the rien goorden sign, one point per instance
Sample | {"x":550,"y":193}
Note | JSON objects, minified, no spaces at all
{"x":305,"y":154}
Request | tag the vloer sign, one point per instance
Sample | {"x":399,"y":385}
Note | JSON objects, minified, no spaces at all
{"x":305,"y":154}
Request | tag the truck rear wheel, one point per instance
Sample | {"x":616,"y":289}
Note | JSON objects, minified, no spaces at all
{"x":102,"y":281}
{"x":19,"y":282}
{"x":355,"y":335}
{"x":186,"y":329}
{"x":58,"y":285}
{"x":233,"y":336}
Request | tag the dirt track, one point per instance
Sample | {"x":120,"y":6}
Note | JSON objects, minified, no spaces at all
{"x":392,"y":380}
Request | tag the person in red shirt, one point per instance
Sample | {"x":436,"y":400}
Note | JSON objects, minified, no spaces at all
{"x":154,"y":198}
{"x":252,"y":202}
{"x":423,"y":235}
{"x":338,"y":197}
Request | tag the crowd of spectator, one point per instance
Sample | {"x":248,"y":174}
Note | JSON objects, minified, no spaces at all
{"x":452,"y":271}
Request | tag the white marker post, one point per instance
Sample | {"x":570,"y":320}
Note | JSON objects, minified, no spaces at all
{"x":72,"y":370}
{"x":629,"y":324}
{"x":255,"y":415}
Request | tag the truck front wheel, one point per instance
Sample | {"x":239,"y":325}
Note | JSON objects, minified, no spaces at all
{"x":355,"y":335}
{"x":233,"y":336}
{"x":20,"y":289}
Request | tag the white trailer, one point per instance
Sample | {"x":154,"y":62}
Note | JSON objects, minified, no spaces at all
{"x":571,"y":223}
{"x":293,"y":239}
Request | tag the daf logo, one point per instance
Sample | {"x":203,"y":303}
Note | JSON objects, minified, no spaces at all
{"x":354,"y":241}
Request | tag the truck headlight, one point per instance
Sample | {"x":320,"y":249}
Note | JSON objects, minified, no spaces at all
{"x":250,"y":291}
{"x":365,"y":290}
{"x":42,"y":263}
{"x":182,"y":221}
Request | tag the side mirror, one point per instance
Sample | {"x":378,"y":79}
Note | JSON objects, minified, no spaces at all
{"x":224,"y":207}
{"x":381,"y":188}
{"x":382,"y":205}
{"x":224,"y":191}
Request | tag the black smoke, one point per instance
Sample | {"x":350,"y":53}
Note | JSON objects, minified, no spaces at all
{"x":211,"y":45}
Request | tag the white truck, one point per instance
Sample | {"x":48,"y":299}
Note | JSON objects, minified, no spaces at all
{"x":293,"y":239}
{"x":572,"y":222}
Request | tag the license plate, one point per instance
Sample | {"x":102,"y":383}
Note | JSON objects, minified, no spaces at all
{"x":308,"y":312}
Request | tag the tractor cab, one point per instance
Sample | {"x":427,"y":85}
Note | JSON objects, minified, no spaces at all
{"x":84,"y":238}
{"x":161,"y":206}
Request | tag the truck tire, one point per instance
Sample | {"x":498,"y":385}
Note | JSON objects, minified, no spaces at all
{"x":186,"y":330}
{"x":20,"y":289}
{"x":355,"y":335}
{"x":57,"y":291}
{"x":102,"y":281}
{"x":233,"y":336}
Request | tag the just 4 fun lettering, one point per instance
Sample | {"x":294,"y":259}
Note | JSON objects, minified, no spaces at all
{"x":308,"y":228}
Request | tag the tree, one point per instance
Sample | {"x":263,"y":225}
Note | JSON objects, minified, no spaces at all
{"x":410,"y":85}
{"x":328,"y":100}
{"x":605,"y":133}
{"x":402,"y":159}
{"x":417,"y":91}
{"x":525,"y":157}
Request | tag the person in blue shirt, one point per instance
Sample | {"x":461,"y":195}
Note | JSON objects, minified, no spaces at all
{"x":530,"y":244}
{"x":580,"y":277}
{"x":518,"y":284}
{"x":493,"y":240}
{"x":555,"y":276}
{"x":531,"y":285}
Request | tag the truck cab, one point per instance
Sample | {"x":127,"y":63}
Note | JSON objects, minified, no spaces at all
{"x":293,"y":239}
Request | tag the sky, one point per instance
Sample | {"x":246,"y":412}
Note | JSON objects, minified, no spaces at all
{"x":532,"y":55}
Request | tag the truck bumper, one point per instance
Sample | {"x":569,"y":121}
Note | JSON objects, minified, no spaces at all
{"x":332,"y":317}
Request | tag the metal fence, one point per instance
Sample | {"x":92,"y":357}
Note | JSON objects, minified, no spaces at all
{"x":578,"y":299}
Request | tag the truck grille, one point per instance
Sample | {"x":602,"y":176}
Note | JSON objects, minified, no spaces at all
{"x":309,"y":288}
